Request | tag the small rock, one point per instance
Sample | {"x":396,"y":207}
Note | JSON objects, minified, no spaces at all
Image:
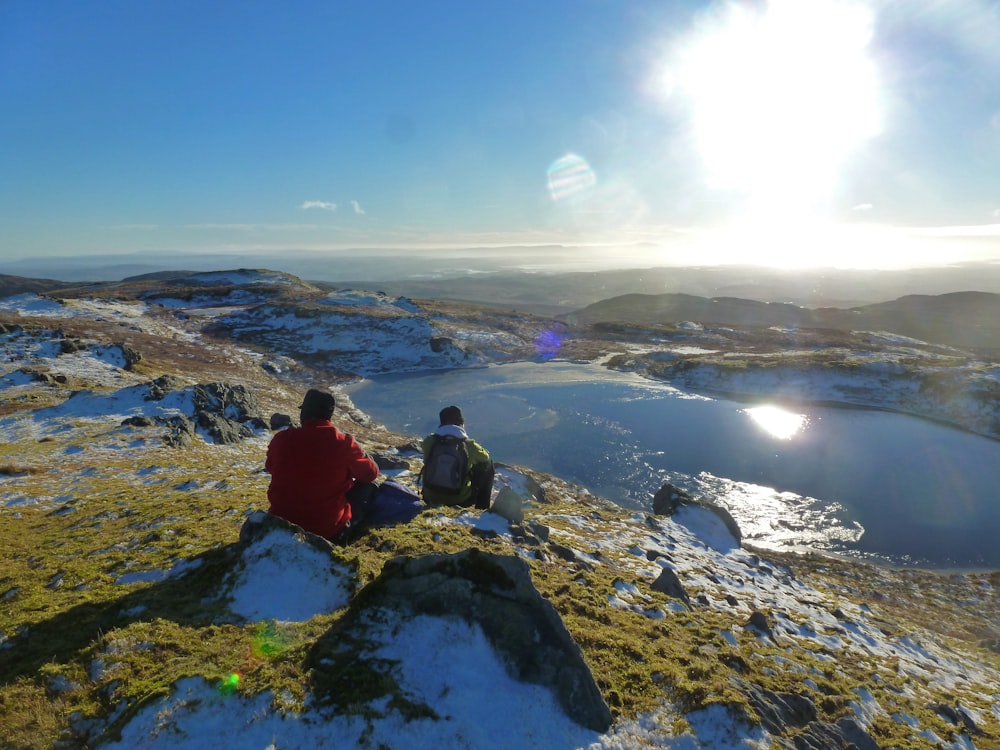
{"x":668,"y":498}
{"x":668,"y":583}
{"x":759,"y":621}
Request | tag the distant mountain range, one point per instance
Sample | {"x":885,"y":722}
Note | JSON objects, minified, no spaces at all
{"x":969,"y":320}
{"x":965,"y":319}
{"x":547,"y":280}
{"x":555,"y":293}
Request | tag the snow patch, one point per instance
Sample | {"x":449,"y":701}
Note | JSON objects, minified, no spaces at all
{"x":260,"y":588}
{"x":240,"y":277}
{"x":361,"y":298}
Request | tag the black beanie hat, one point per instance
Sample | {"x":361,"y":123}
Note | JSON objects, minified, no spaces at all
{"x":452,"y":415}
{"x":317,"y":404}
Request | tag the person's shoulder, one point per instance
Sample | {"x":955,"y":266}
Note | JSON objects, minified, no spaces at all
{"x":323,"y":427}
{"x":331,"y":431}
{"x":283,"y":434}
{"x":476,"y":446}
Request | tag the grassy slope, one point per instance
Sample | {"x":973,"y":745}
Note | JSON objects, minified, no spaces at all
{"x":91,"y":646}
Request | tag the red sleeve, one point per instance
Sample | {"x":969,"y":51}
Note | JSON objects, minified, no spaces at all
{"x":362,"y":467}
{"x":274,"y":452}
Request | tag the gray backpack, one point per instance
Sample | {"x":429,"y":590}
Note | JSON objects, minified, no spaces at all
{"x":447,"y":465}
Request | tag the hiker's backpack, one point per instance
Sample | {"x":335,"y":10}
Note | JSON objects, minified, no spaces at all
{"x":446,"y":466}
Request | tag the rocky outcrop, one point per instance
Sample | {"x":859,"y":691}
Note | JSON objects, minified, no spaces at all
{"x":224,"y":413}
{"x":71,"y":345}
{"x":492,"y":591}
{"x":163,"y":385}
{"x":508,"y":504}
{"x":259,"y":524}
{"x":496,"y":592}
{"x":130,"y":354}
{"x":44,"y":376}
{"x":180,"y":431}
{"x":668,"y":499}
{"x":780,"y":712}
{"x":386,"y":460}
{"x":227,"y":413}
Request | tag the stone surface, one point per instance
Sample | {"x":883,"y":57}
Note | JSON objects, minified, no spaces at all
{"x":496,"y":592}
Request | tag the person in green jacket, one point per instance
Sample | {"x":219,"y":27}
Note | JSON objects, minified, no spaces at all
{"x":457,"y":470}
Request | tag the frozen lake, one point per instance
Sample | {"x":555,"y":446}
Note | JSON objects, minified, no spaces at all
{"x":851,"y":481}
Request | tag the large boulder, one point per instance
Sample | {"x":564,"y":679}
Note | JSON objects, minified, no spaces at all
{"x":669,"y":498}
{"x":496,"y":592}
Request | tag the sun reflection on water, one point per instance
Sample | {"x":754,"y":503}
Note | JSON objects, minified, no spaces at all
{"x":778,"y":422}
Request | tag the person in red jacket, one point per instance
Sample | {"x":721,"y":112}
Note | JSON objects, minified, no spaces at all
{"x":316,"y":468}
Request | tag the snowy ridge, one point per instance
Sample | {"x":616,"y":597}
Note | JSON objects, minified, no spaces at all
{"x":33,"y":305}
{"x":968,"y":400}
{"x":380,"y":336}
{"x":241,"y":277}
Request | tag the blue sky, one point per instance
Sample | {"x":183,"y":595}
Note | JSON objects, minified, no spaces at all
{"x":791,"y":132}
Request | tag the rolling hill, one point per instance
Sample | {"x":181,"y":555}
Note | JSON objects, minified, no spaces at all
{"x":961,"y":319}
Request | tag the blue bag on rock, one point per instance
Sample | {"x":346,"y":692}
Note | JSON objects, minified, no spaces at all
{"x":393,"y":503}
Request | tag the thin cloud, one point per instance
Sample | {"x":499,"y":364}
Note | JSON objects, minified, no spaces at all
{"x":975,"y":230}
{"x":240,"y":227}
{"x":325,"y":205}
{"x":255,"y":227}
{"x":357,"y":208}
{"x":863,"y":207}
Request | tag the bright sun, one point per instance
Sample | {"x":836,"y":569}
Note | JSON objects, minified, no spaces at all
{"x":779,"y":99}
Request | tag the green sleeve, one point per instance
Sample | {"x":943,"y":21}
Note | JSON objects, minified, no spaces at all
{"x":425,"y":445}
{"x":477,"y":453}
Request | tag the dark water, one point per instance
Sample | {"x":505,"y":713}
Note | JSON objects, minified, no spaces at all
{"x":852,"y":481}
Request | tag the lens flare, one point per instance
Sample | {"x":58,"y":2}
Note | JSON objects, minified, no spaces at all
{"x":230,"y":683}
{"x":570,"y":177}
{"x":268,"y":641}
{"x":549,"y":342}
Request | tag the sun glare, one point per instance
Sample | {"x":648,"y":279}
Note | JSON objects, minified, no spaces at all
{"x":779,"y":99}
{"x":777,"y":422}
